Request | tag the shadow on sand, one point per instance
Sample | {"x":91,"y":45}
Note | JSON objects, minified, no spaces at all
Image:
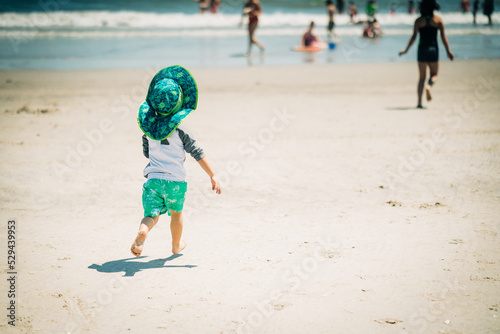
{"x":405,"y":108}
{"x":132,"y":267}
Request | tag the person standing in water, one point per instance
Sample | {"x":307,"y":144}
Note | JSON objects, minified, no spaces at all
{"x":488,"y":8}
{"x":340,"y":6}
{"x":475,"y":9}
{"x":371,"y":8}
{"x":411,"y":7}
{"x":330,"y":8}
{"x":427,"y":25}
{"x":253,"y":9}
{"x":203,"y":4}
{"x":465,"y":6}
{"x":214,"y":6}
{"x":353,"y":11}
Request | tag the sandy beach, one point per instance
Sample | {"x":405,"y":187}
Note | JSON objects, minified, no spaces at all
{"x":344,"y":209}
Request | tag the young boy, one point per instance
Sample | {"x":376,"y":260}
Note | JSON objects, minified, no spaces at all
{"x":172,"y":96}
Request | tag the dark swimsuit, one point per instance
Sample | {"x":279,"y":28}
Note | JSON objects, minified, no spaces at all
{"x":428,"y":51}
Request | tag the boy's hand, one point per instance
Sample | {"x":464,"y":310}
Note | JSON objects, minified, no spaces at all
{"x":208,"y":169}
{"x":215,"y":184}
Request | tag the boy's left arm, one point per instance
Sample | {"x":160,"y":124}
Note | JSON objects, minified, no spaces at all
{"x":199,"y":155}
{"x":208,"y":169}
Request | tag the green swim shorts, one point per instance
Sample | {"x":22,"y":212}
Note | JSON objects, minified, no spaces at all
{"x":161,"y":196}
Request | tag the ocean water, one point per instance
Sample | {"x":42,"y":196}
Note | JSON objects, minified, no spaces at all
{"x":69,"y":34}
{"x":190,"y":7}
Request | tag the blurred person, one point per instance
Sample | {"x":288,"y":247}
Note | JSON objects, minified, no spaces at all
{"x":488,"y":8}
{"x":475,"y":9}
{"x":411,"y":7}
{"x":372,"y":28}
{"x":392,"y":8}
{"x":252,"y":9}
{"x":340,"y":6}
{"x":353,"y":11}
{"x":214,"y":6}
{"x":331,"y":23}
{"x":310,"y":38}
{"x":371,"y":8}
{"x":203,"y":5}
{"x":428,"y":25}
{"x":464,"y":6}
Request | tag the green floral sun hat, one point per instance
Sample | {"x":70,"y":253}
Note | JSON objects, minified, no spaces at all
{"x":172,"y":96}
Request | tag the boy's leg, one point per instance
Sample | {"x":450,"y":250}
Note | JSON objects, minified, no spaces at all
{"x":176,"y":229}
{"x":147,"y":224}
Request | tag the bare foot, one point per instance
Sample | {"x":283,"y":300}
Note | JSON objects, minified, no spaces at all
{"x":428,"y":94}
{"x":179,"y":248}
{"x":138,"y":244}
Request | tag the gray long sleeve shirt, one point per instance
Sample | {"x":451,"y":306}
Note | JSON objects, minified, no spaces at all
{"x":166,"y":157}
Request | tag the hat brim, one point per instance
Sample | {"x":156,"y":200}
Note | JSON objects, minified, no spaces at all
{"x":157,"y":126}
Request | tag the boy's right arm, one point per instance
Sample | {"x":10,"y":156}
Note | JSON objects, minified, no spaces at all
{"x":145,"y":146}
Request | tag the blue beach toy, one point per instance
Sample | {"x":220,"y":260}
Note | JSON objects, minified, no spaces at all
{"x":331,"y":45}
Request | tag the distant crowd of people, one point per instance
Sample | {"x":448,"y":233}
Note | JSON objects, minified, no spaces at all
{"x":208,"y":5}
{"x":487,"y":5}
{"x":371,"y":27}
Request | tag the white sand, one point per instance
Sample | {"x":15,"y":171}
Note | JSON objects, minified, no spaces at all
{"x":344,"y":210}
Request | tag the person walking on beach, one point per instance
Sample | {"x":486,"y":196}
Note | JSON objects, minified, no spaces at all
{"x":253,"y":9}
{"x":488,"y":8}
{"x":330,"y":8}
{"x":475,"y":9}
{"x":427,"y":25}
{"x":171,"y":97}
